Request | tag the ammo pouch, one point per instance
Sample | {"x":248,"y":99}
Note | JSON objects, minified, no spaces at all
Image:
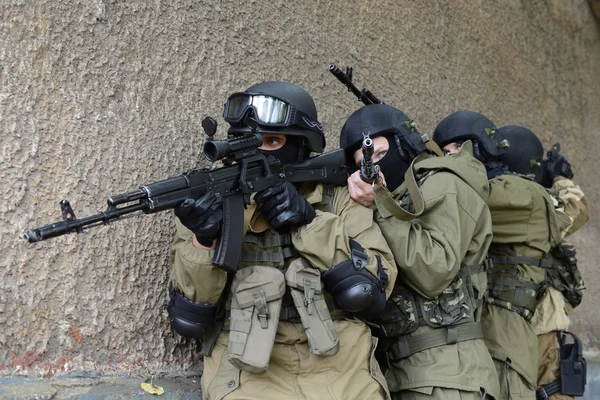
{"x":255,"y":306}
{"x":564,"y":276}
{"x":451,"y":314}
{"x":518,"y":295}
{"x":572,"y":370}
{"x":306,"y":290}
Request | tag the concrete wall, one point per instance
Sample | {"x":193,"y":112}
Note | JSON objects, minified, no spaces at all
{"x":100,"y":96}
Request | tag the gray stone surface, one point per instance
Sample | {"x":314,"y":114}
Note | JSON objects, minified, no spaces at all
{"x":100,"y":96}
{"x":96,"y":388}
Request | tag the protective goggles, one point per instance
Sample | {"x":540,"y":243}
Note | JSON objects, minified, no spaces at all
{"x":268,"y":111}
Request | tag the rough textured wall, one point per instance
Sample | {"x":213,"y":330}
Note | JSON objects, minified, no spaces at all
{"x":98,"y":97}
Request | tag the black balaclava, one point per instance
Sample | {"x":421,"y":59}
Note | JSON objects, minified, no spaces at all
{"x":290,"y":153}
{"x":393,"y":165}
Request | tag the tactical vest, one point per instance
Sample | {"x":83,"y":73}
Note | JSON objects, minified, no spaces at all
{"x":272,"y":249}
{"x":506,"y":289}
{"x":275,"y":250}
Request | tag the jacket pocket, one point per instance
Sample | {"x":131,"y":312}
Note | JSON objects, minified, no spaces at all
{"x":226,"y":380}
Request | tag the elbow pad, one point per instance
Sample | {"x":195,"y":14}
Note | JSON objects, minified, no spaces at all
{"x":354,"y":288}
{"x":189,"y":318}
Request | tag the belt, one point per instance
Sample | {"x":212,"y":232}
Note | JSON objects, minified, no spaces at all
{"x":405,"y":346}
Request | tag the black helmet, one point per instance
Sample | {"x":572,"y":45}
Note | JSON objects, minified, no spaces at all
{"x":276,"y":107}
{"x":404,"y":141}
{"x":469,"y":125}
{"x":525,"y":153}
{"x":381,"y":120}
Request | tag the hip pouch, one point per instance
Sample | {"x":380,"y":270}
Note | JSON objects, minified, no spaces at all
{"x":455,"y":305}
{"x":572,"y":365}
{"x":255,"y":306}
{"x":306,"y":289}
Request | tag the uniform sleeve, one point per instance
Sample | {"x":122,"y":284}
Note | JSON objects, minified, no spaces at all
{"x":193,"y":273}
{"x":325,"y":242}
{"x":429,"y":249}
{"x":576,"y":204}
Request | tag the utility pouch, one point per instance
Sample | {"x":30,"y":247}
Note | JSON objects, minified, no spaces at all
{"x":257,"y":292}
{"x":566,"y":277}
{"x":306,"y":289}
{"x":572,"y":365}
{"x":455,"y":305}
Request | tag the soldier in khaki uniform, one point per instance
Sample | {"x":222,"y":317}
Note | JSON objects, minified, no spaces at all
{"x":526,"y":228}
{"x":438,"y":226}
{"x":284,"y":326}
{"x":563,"y":286}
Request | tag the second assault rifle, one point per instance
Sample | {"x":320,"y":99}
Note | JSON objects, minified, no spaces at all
{"x":558,"y":163}
{"x":247,"y":171}
{"x":368,"y":171}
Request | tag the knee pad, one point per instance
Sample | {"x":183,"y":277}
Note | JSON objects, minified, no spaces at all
{"x":354,"y":288}
{"x":189,"y":318}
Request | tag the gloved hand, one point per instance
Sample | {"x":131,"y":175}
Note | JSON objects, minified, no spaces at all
{"x":284,"y":208}
{"x":559,"y":166}
{"x":203,"y":217}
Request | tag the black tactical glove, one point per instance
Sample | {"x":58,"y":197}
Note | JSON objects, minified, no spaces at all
{"x":203,"y":217}
{"x":284,"y":208}
{"x":558,"y":166}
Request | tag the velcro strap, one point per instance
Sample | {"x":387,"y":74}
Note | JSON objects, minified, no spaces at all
{"x":548,"y":262}
{"x":260,"y":302}
{"x":267,"y":241}
{"x":359,"y":257}
{"x":259,"y":257}
{"x":511,"y":283}
{"x":405,"y":346}
{"x":544,"y":392}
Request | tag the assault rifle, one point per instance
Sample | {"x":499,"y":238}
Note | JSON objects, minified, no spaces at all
{"x":558,"y":163}
{"x":368,"y":171}
{"x":247,"y":171}
{"x":364,"y":95}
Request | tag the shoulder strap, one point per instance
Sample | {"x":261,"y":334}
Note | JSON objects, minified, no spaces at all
{"x":385,"y":199}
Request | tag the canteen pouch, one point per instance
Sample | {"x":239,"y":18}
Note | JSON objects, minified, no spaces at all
{"x":572,"y":365}
{"x":306,"y":289}
{"x":257,"y":292}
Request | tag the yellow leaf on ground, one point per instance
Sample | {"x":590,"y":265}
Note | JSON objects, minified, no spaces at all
{"x":153,"y":389}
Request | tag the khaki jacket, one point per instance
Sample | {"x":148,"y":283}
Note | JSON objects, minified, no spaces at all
{"x":574,"y":202}
{"x":552,"y":311}
{"x":324,"y":243}
{"x":455,"y":228}
{"x":524,"y":219}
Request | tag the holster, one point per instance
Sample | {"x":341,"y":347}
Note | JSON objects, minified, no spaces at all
{"x":572,"y":365}
{"x":255,"y":305}
{"x":573,"y":368}
{"x":306,"y":289}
